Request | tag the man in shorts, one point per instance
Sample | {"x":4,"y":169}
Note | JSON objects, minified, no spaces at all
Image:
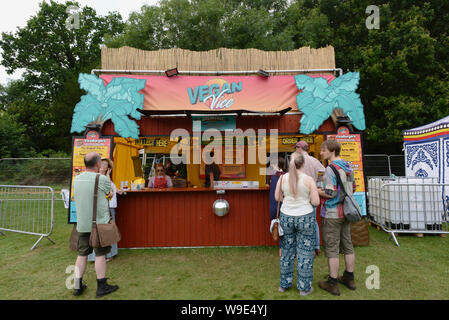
{"x":336,"y":230}
{"x":83,"y":191}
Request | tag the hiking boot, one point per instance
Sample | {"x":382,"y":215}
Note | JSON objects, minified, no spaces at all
{"x":79,"y":287}
{"x":347,"y":280}
{"x":330,"y":286}
{"x":103,"y":288}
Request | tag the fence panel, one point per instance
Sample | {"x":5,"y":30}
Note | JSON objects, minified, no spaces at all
{"x":380,"y":165}
{"x":36,"y":171}
{"x":397,"y":164}
{"x":27,"y":210}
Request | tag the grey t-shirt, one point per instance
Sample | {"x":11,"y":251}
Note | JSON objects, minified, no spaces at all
{"x":83,"y":194}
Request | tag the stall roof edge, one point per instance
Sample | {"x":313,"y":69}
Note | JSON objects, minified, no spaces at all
{"x":189,"y":113}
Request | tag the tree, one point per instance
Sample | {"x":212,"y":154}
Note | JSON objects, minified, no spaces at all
{"x":13,"y":142}
{"x":207,"y":24}
{"x":53,"y":56}
{"x":403,"y":65}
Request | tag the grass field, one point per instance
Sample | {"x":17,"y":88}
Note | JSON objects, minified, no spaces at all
{"x":418,"y":269}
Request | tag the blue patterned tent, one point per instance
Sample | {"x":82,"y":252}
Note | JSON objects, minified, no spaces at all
{"x":427,"y":150}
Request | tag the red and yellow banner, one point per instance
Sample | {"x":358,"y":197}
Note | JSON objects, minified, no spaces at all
{"x":216,"y":93}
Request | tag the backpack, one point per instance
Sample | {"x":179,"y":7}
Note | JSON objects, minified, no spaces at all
{"x":351,"y":208}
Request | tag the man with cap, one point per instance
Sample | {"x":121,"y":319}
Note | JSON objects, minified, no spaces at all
{"x":311,"y":167}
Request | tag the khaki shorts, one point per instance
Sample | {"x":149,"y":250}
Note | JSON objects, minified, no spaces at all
{"x":336,"y":237}
{"x":84,"y":249}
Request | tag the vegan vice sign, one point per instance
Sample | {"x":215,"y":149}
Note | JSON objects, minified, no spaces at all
{"x":203,"y":93}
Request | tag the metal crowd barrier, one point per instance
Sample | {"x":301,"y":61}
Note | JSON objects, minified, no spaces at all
{"x":27,"y":210}
{"x":408,"y":205}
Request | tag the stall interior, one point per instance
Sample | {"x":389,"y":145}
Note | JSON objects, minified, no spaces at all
{"x":136,"y":159}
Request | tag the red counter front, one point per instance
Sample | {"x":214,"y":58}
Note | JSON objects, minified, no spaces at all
{"x":181,"y":217}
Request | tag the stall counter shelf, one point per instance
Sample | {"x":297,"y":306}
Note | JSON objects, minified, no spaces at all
{"x":192,"y":189}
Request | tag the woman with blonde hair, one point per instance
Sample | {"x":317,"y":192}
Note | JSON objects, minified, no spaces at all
{"x":160,"y":180}
{"x":298,"y":222}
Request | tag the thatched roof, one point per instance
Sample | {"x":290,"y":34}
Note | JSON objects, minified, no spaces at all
{"x":127,"y":58}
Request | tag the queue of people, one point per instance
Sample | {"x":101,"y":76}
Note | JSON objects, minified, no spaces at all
{"x":307,"y":185}
{"x":300,"y":196}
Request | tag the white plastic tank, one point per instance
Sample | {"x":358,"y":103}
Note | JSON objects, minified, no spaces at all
{"x":409,"y":206}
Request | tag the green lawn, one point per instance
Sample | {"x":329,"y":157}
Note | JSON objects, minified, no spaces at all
{"x":418,"y":269}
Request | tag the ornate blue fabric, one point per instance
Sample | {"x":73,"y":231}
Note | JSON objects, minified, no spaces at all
{"x":317,"y":100}
{"x":298,"y":240}
{"x":421,"y":157}
{"x":118,"y":100}
{"x":421,"y":173}
{"x":430,"y":148}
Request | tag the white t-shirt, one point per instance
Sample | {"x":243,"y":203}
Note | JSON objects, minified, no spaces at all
{"x":113,"y":201}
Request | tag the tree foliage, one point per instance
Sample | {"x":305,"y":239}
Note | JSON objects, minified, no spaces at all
{"x":52,"y":56}
{"x":13,"y":142}
{"x":403,"y":65}
{"x":207,"y":24}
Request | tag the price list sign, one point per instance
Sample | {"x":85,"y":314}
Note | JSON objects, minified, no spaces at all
{"x":351,"y":151}
{"x":92,"y":142}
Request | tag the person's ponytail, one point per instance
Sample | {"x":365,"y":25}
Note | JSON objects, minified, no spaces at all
{"x":296,"y":162}
{"x":292,"y":175}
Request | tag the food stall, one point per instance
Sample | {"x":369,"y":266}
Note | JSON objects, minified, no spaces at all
{"x":243,"y":117}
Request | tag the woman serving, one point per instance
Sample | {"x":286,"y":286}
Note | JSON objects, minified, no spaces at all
{"x":160,"y":180}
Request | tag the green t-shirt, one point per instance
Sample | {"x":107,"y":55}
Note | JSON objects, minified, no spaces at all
{"x":83,"y":192}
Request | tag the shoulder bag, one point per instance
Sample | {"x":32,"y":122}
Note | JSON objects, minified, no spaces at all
{"x":102,"y":235}
{"x":351,"y":208}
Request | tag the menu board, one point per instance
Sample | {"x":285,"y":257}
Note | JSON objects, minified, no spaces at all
{"x":92,"y":142}
{"x":351,"y":151}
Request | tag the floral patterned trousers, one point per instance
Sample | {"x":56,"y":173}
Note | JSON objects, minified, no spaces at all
{"x":298,"y":240}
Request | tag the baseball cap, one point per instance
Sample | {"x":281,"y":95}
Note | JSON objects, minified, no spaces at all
{"x":302,"y":144}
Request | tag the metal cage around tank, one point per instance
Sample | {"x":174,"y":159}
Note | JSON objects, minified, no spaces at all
{"x":408,"y":205}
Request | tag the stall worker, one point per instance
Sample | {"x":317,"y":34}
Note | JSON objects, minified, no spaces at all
{"x":212,"y":172}
{"x":169,"y":169}
{"x":160,"y":180}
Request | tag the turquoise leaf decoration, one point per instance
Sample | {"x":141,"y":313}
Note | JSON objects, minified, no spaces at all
{"x":118,"y":100}
{"x":317,"y":100}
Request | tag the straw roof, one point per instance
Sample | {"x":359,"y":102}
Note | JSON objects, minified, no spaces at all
{"x":223,"y":59}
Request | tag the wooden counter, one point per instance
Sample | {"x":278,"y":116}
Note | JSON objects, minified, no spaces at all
{"x":195,"y":189}
{"x":183,"y":217}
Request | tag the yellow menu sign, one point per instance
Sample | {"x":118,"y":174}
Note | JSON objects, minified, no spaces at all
{"x":92,"y":142}
{"x":351,"y":151}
